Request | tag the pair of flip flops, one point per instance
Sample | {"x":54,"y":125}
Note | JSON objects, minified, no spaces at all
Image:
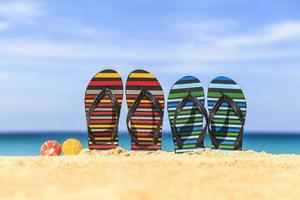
{"x":224,"y":120}
{"x":145,"y":102}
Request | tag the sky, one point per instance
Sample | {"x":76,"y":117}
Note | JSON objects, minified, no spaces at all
{"x":49,"y":50}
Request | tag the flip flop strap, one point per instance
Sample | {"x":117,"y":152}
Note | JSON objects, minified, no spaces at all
{"x":237,"y":111}
{"x":99,"y":97}
{"x":200,"y":107}
{"x":134,"y":107}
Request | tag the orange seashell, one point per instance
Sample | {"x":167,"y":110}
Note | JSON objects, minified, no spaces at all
{"x":51,"y":148}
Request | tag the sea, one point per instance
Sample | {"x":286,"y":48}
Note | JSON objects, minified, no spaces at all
{"x":29,"y":143}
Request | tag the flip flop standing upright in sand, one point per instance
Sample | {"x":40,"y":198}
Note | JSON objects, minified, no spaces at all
{"x":145,"y":101}
{"x":186,"y":114}
{"x":227,"y":113}
{"x":103,"y":100}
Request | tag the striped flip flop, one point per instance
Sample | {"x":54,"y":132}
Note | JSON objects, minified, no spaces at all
{"x":186,"y":113}
{"x":227,"y":112}
{"x":103,"y":100}
{"x":145,"y":101}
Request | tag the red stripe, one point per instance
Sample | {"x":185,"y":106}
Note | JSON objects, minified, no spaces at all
{"x":107,"y":121}
{"x":150,"y":147}
{"x":101,"y":105}
{"x":161,"y":97}
{"x":103,"y":113}
{"x":147,"y":122}
{"x":146,"y":135}
{"x":102,"y":134}
{"x":106,"y":83}
{"x":113,"y":146}
{"x":93,"y":96}
{"x":146,"y":105}
{"x":142,"y":83}
{"x":147,"y":113}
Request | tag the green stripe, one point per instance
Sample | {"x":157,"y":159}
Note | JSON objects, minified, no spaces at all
{"x":184,"y":112}
{"x":189,"y":133}
{"x":229,"y":134}
{"x":192,"y":120}
{"x":232,"y":95}
{"x":186,"y":146}
{"x":227,"y":121}
{"x":183,"y":94}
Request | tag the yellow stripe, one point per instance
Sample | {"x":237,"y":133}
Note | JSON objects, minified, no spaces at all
{"x":103,"y":138}
{"x":148,"y":139}
{"x":102,"y":126}
{"x":107,"y":75}
{"x":144,"y":126}
{"x":102,"y":101}
{"x":141,"y":75}
{"x":146,"y":101}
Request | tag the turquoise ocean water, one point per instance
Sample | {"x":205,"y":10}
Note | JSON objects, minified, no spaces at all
{"x":28,"y":144}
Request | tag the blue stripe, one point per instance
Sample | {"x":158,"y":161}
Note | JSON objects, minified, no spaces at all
{"x":189,"y":129}
{"x":172,"y":105}
{"x":226,"y":142}
{"x":241,"y":105}
{"x":188,"y":78}
{"x":225,"y":129}
{"x":222,"y":78}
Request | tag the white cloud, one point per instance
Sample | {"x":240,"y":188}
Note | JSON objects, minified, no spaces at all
{"x":19,"y":12}
{"x":3,"y":25}
{"x":271,"y":34}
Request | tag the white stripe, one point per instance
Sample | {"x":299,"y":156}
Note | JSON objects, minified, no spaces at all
{"x":186,"y":116}
{"x":179,"y":100}
{"x":189,"y":124}
{"x":189,"y":150}
{"x":225,"y":117}
{"x":236,"y":100}
{"x":224,"y":86}
{"x":228,"y":125}
{"x":187,"y":86}
{"x":226,"y":108}
{"x":226,"y":138}
{"x":190,"y":137}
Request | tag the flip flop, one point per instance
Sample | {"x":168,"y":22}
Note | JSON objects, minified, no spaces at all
{"x":186,"y":109}
{"x":227,"y":113}
{"x":103,"y":100}
{"x":145,"y":101}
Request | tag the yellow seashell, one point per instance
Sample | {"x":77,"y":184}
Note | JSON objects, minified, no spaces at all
{"x":72,"y":146}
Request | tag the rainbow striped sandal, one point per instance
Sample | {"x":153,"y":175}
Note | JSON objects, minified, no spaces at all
{"x":186,"y":109}
{"x":145,"y":101}
{"x":227,"y":113}
{"x":103,"y":100}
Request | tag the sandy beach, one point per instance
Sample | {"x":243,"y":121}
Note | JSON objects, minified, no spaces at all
{"x":120,"y":174}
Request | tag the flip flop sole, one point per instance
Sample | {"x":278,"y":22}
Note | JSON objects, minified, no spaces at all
{"x":226,"y":125}
{"x":146,"y":118}
{"x":103,"y":119}
{"x":189,"y":122}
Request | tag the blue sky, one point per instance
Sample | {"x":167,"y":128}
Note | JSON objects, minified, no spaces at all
{"x":50,"y":49}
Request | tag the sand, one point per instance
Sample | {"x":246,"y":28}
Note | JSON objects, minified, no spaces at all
{"x":119,"y":174}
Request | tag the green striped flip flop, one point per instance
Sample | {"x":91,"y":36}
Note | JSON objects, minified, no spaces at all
{"x":186,"y":112}
{"x":227,"y":112}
